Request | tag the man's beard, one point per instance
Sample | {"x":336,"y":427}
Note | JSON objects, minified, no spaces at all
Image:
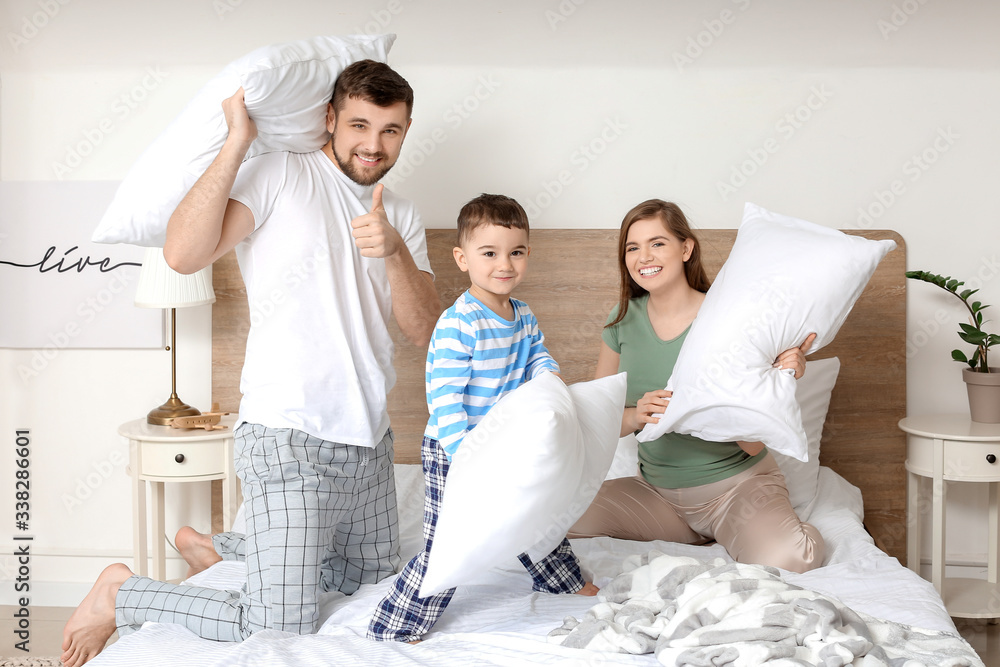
{"x":354,"y":173}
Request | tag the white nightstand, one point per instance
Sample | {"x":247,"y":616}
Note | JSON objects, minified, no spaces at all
{"x":953,"y":448}
{"x":159,"y":454}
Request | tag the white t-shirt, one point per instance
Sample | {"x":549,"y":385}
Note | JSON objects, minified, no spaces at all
{"x":319,"y":354}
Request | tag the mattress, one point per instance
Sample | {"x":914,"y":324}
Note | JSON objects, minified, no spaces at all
{"x":499,"y":620}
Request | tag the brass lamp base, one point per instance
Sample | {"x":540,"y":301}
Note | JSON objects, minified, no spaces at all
{"x":174,"y":407}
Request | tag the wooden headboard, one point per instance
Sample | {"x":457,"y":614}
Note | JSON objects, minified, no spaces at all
{"x":571,"y":287}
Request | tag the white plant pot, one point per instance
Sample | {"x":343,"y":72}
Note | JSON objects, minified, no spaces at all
{"x":984,"y":395}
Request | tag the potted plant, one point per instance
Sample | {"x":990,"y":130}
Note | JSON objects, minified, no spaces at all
{"x":982,"y":381}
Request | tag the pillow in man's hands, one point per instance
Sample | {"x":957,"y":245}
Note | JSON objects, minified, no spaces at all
{"x":286,"y":88}
{"x":784,"y":279}
{"x":524,"y":475}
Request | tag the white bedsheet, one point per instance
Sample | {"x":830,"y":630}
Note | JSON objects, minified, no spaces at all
{"x":500,"y":621}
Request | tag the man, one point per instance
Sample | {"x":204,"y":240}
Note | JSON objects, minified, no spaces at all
{"x":326,"y":259}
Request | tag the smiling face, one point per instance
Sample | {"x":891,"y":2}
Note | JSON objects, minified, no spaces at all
{"x":366,"y":138}
{"x":496,"y":259}
{"x":654,"y":256}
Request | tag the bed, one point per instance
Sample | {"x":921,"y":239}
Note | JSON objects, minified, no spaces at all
{"x":858,"y":504}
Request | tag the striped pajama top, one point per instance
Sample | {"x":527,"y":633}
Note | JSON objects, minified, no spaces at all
{"x":475,"y":357}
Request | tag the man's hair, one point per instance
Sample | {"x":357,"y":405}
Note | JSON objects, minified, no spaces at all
{"x":490,"y":210}
{"x":373,"y":82}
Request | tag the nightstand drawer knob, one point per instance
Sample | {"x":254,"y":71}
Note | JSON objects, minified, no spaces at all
{"x":991,"y":458}
{"x":180,"y":458}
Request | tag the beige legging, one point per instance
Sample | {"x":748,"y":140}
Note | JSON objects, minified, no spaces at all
{"x":749,"y":514}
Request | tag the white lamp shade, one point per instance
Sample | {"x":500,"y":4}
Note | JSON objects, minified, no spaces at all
{"x":162,"y":287}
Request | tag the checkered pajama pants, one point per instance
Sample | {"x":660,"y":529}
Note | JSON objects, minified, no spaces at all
{"x":405,"y":616}
{"x":321,"y":516}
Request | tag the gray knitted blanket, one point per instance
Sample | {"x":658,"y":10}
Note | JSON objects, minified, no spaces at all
{"x":691,"y":612}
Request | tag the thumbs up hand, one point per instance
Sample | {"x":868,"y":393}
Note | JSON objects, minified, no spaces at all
{"x":372,"y":233}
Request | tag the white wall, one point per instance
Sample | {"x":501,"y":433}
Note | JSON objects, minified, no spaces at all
{"x":815,"y":109}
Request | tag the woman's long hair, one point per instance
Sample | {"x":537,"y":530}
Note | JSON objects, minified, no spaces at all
{"x":675,"y":221}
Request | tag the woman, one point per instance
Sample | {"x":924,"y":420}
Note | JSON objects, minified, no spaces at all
{"x":688,"y":490}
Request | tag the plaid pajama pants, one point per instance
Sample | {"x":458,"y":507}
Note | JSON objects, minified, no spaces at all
{"x":405,"y":616}
{"x":321,"y":516}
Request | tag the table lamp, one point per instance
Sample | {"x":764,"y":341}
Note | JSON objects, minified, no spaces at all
{"x":162,"y":287}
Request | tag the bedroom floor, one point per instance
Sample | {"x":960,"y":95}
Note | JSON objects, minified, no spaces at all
{"x":47,"y":624}
{"x":984,"y":638}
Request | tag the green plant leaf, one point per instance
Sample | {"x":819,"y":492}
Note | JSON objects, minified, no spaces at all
{"x":977,"y":338}
{"x":973,"y":333}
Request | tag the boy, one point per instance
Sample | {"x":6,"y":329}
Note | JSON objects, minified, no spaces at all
{"x":484,"y":346}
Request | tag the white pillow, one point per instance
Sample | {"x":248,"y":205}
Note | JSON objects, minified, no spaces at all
{"x":626,"y":461}
{"x":524,"y":476}
{"x":286,"y":87}
{"x":812,"y":392}
{"x":784,"y":279}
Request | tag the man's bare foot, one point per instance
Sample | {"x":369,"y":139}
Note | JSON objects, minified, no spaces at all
{"x":588,"y":589}
{"x":92,"y":624}
{"x":197,"y":549}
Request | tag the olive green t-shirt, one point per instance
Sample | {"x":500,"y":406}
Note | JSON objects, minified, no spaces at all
{"x":674,"y":460}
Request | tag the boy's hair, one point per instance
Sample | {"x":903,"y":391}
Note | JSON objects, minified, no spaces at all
{"x":373,"y":82}
{"x":490,"y":210}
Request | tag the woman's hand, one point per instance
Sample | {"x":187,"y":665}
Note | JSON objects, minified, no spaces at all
{"x":651,"y":403}
{"x":795,"y":358}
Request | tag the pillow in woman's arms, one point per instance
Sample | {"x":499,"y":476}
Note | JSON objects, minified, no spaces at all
{"x":812,"y":392}
{"x":784,"y":279}
{"x":524,"y":475}
{"x":286,"y":88}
